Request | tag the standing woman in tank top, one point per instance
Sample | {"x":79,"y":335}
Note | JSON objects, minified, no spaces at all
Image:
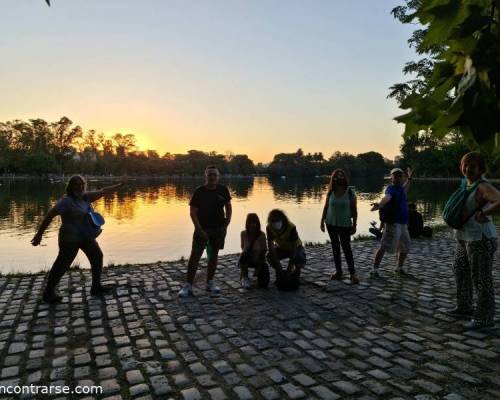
{"x":476,"y":246}
{"x":340,"y":215}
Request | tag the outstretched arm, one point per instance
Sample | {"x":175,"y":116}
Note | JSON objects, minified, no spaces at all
{"x":93,"y":196}
{"x":43,"y":226}
{"x":377,"y":206}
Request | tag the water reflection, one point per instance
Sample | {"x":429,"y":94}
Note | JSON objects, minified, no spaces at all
{"x":149,"y":220}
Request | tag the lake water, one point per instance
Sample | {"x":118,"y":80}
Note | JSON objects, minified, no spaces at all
{"x":149,"y":221}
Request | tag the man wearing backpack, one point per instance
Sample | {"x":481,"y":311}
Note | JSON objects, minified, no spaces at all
{"x":394,"y":213}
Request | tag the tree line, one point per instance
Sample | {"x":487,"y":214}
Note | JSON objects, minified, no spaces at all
{"x":37,"y":147}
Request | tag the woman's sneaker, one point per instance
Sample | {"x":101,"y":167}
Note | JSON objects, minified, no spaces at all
{"x":186,"y":291}
{"x":212,"y":288}
{"x":246,"y":283}
{"x":336,"y":276}
{"x":354,"y":279}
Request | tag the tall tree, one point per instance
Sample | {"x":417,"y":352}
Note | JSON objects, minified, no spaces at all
{"x":64,"y":136}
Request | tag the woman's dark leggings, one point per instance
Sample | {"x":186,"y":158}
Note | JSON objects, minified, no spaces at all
{"x":341,"y":236}
{"x":67,"y":253}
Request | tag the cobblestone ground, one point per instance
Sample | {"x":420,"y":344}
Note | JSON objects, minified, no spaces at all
{"x":386,"y":338}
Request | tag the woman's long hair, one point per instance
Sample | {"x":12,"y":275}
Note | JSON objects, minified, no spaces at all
{"x":277,"y":215}
{"x":71,"y":183}
{"x":253,"y":218}
{"x":333,"y":184}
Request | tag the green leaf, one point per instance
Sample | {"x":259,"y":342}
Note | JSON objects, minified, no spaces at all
{"x":443,"y":20}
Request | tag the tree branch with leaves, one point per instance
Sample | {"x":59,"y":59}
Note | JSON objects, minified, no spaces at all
{"x":456,"y":83}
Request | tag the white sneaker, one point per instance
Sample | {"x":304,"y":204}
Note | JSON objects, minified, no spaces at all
{"x":246,"y":283}
{"x":186,"y":291}
{"x":212,"y":288}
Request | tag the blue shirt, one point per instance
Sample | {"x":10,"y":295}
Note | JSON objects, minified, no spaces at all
{"x":398,"y":194}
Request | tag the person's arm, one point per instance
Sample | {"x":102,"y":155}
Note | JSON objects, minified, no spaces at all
{"x":229,"y":212}
{"x":409,"y":173}
{"x":377,"y":206}
{"x":354,"y":213}
{"x":242,"y":240}
{"x":96,"y":195}
{"x":262,"y":248}
{"x":489,"y":194}
{"x":270,"y":245}
{"x":294,"y":238}
{"x":43,"y":226}
{"x":193,"y":212}
{"x":325,"y":211}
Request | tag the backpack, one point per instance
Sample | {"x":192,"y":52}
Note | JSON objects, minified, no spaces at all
{"x":454,"y":209}
{"x":389,"y":212}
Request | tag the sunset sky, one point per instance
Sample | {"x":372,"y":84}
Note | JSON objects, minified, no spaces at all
{"x":254,"y":77}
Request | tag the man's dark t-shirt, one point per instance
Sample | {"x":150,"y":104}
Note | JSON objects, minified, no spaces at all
{"x":210,"y":204}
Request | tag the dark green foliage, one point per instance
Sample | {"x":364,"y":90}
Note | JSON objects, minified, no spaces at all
{"x":456,"y":86}
{"x":300,"y":164}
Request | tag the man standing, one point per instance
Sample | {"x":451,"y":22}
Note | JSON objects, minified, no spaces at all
{"x":394,"y":213}
{"x":210,"y":210}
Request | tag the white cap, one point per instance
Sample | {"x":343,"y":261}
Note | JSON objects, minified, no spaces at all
{"x":395,"y":170}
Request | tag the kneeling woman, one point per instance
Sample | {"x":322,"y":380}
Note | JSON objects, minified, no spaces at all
{"x":73,"y":235}
{"x":284,"y":243}
{"x":253,"y":246}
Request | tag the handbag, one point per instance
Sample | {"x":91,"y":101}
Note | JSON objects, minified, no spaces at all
{"x":91,"y":226}
{"x":454,"y":209}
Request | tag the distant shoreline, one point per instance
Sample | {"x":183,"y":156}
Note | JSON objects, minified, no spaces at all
{"x":59,"y":178}
{"x":54,"y":178}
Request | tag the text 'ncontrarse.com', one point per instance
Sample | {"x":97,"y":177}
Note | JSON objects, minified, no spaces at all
{"x":49,"y":390}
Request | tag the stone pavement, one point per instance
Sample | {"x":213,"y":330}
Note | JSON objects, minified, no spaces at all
{"x":383,"y":339}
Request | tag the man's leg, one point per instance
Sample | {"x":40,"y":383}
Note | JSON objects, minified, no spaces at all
{"x":401,"y":260}
{"x":404,"y":241}
{"x":194,"y":260}
{"x":378,"y":257}
{"x":212,"y":264}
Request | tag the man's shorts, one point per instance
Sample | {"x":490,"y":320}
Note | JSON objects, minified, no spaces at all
{"x":216,"y":237}
{"x":395,"y":238}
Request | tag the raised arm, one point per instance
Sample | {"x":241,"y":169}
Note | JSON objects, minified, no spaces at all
{"x":96,"y":195}
{"x":409,"y":173}
{"x":43,"y":226}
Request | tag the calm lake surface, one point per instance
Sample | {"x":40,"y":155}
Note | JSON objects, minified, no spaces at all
{"x":148,"y":221}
